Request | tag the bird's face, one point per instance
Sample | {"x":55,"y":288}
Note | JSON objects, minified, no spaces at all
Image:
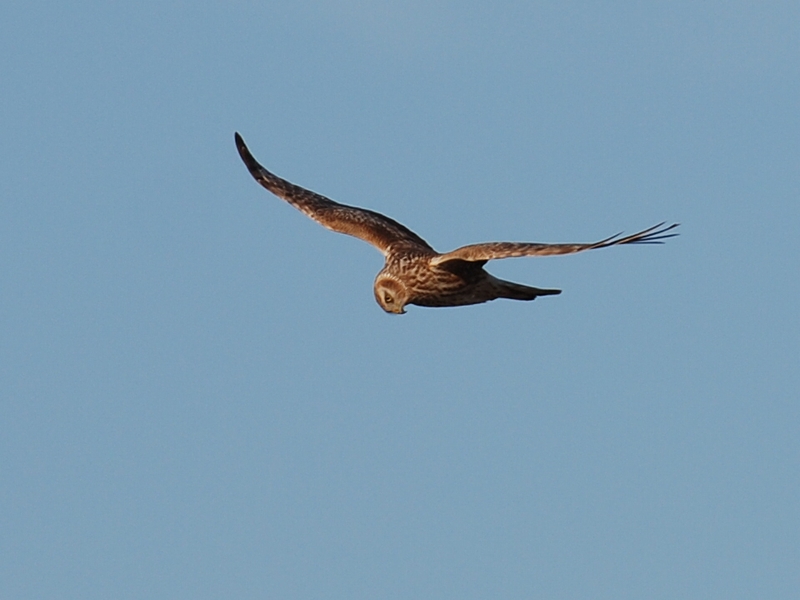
{"x":391,"y":294}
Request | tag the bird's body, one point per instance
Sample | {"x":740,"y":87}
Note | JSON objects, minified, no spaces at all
{"x":414,"y":273}
{"x":453,"y":283}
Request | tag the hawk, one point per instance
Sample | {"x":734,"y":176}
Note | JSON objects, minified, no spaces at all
{"x":414,"y":273}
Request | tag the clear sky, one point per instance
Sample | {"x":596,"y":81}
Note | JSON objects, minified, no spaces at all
{"x":200,"y":398}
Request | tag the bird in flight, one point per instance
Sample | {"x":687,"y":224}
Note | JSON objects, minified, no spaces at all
{"x":414,"y":273}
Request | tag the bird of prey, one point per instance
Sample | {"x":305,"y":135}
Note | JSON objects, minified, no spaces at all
{"x":414,"y":273}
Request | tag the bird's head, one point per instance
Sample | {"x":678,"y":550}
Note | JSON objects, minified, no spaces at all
{"x":390,"y":293}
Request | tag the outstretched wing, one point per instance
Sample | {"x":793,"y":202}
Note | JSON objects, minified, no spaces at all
{"x":380,"y":231}
{"x":493,"y":250}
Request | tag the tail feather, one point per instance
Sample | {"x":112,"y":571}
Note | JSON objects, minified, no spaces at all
{"x":517,"y":291}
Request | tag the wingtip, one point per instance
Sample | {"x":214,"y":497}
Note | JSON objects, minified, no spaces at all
{"x":654,"y":235}
{"x":661,"y":234}
{"x":249,"y":160}
{"x":240,"y":145}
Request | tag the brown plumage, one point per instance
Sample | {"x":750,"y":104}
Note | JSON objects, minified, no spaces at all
{"x":414,"y":272}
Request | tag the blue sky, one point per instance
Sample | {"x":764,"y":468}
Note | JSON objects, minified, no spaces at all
{"x":200,"y":398}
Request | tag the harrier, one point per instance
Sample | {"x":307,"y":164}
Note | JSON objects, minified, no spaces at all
{"x":414,"y":273}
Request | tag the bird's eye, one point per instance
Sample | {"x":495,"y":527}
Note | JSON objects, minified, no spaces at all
{"x":388,"y":299}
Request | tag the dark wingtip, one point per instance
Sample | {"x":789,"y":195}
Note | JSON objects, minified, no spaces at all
{"x":658,"y":237}
{"x":250,"y":162}
{"x":653,"y":235}
{"x":240,"y":145}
